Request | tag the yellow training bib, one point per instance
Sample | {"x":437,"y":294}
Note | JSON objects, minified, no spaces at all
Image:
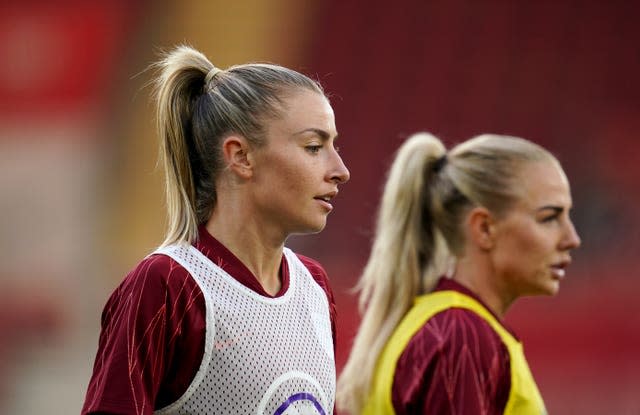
{"x":524,"y":396}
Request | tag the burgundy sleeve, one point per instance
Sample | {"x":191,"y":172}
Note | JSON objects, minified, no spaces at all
{"x":145,"y":323}
{"x":456,"y":364}
{"x":320,"y":276}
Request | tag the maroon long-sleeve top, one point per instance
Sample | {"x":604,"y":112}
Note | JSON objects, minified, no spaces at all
{"x":153,"y":330}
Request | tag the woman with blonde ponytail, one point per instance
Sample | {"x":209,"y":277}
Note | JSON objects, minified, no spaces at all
{"x":461,"y":234}
{"x":222,"y":318}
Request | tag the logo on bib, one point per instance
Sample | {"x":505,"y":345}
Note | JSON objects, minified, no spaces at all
{"x":300,"y":403}
{"x":295,"y":393}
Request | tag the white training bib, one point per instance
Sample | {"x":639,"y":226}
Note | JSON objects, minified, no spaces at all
{"x":262,"y":355}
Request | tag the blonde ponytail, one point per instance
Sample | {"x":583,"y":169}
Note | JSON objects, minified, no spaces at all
{"x":181,"y":80}
{"x":401,"y":264}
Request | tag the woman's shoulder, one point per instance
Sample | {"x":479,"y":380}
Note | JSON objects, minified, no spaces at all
{"x":317,"y":271}
{"x":453,"y":355}
{"x":450,"y":335}
{"x":312,"y":265}
{"x":455,"y":329}
{"x":320,"y":276}
{"x":156,"y":270}
{"x":153,"y":280}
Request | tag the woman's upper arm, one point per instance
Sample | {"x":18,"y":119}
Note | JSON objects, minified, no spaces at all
{"x":133,"y":344}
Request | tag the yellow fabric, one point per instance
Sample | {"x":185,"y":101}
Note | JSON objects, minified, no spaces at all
{"x":524,"y":397}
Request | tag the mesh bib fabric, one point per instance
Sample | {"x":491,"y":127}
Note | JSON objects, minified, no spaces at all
{"x":262,"y":355}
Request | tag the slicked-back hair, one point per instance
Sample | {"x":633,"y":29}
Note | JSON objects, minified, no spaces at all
{"x":195,"y":112}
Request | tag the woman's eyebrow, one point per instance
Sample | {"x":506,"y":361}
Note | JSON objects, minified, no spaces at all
{"x":324,"y":135}
{"x":556,"y":209}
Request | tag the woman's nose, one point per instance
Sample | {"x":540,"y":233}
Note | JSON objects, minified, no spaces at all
{"x":572,"y":239}
{"x":339,"y":173}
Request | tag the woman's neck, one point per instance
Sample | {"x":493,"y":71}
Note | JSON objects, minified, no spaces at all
{"x":478,"y":277}
{"x":251,"y":242}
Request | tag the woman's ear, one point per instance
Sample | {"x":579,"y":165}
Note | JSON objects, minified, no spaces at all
{"x":235,"y":150}
{"x":481,"y":227}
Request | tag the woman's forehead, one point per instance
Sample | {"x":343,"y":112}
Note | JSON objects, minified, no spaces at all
{"x":543,"y":183}
{"x":306,"y":110}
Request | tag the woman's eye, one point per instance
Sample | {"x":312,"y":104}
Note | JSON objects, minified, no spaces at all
{"x":548,"y":219}
{"x":313,"y":149}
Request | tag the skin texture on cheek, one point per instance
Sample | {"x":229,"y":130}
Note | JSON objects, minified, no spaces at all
{"x":523,"y":261}
{"x":287,"y":175}
{"x":531,"y":235}
{"x":283,"y":191}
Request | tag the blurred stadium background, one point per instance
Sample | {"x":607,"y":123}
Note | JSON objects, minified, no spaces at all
{"x":81,"y":199}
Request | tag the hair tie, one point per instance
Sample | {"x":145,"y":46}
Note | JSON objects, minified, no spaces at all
{"x":212,"y":74}
{"x":439,"y":163}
